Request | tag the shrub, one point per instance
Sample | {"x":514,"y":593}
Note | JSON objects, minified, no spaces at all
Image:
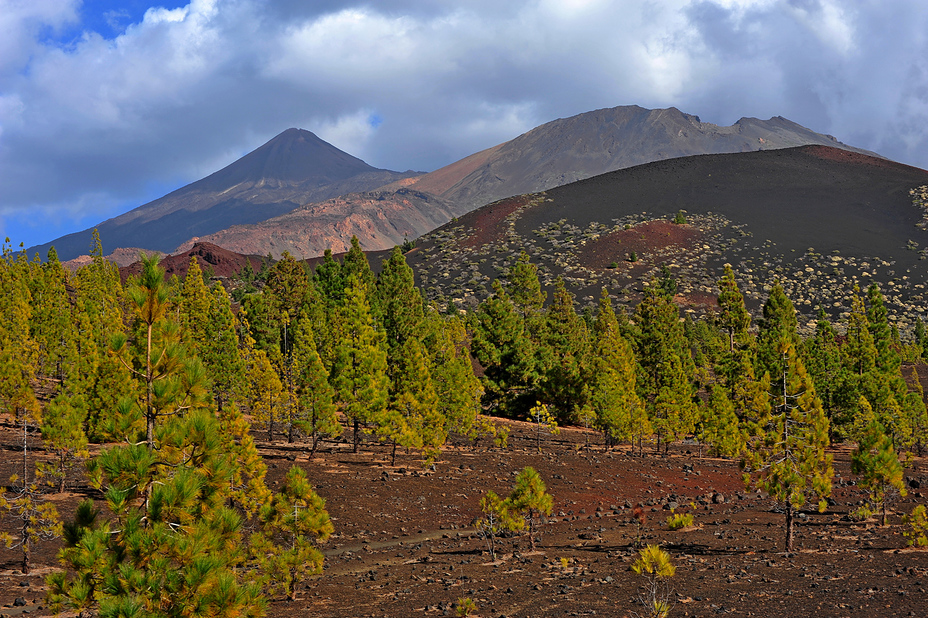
{"x":632,"y":257}
{"x":679,"y":520}
{"x":916,"y":527}
{"x":466,"y":606}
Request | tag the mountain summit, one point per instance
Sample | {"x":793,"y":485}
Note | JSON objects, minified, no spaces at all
{"x":570,"y":149}
{"x":292,"y":169}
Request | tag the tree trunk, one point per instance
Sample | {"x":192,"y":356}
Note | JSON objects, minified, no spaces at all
{"x":25,"y":551}
{"x":393,"y":456}
{"x":884,"y":512}
{"x":312,"y":451}
{"x":789,"y":526}
{"x":357,"y":435}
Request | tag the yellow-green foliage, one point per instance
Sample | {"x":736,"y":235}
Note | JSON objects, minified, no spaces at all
{"x":675,"y":521}
{"x":293,"y":522}
{"x":916,"y":527}
{"x":530,"y":499}
{"x":466,"y":607}
{"x":543,"y":417}
{"x":655,"y":564}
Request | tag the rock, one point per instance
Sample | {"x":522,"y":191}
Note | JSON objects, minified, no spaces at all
{"x":19,"y":602}
{"x":718,"y":498}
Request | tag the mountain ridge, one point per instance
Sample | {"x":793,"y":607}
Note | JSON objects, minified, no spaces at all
{"x":293,"y":168}
{"x":553,"y":154}
{"x":300,"y":194}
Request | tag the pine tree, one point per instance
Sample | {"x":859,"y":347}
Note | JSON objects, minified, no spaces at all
{"x":51,"y":320}
{"x":887,"y":355}
{"x":719,"y":427}
{"x":400,"y":302}
{"x":221,"y":354}
{"x":317,"y":413}
{"x":355,"y":264}
{"x":100,"y":294}
{"x":172,"y":382}
{"x":18,"y":350}
{"x":523,"y":288}
{"x":788,"y":460}
{"x":503,"y":348}
{"x":568,"y":341}
{"x":360,"y":372}
{"x":859,"y":350}
{"x":916,"y":410}
{"x":612,"y":395}
{"x":457,"y":389}
{"x":751,"y":398}
{"x":530,"y":499}
{"x":875,"y":460}
{"x":822,"y":357}
{"x":63,"y":435}
{"x":288,"y":283}
{"x":734,"y":317}
{"x":195,"y":307}
{"x":412,"y":419}
{"x":330,"y":279}
{"x":292,"y":523}
{"x":23,"y":500}
{"x":665,"y":366}
{"x":779,"y":323}
{"x":267,"y":392}
{"x":170,"y":543}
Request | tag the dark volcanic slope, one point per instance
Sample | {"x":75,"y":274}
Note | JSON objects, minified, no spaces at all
{"x":221,"y":262}
{"x":593,"y":143}
{"x":293,"y":169}
{"x":819,"y":219}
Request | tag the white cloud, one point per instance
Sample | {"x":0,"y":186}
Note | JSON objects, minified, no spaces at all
{"x":419,"y":83}
{"x":22,"y":22}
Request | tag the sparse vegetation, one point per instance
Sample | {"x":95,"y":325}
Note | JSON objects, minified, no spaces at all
{"x":298,"y":360}
{"x":655,"y":564}
{"x":676,"y":521}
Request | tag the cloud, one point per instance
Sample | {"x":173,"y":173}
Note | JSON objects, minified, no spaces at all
{"x":100,"y":123}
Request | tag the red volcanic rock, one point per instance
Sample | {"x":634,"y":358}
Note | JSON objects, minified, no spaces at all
{"x":222,"y":262}
{"x":646,"y":238}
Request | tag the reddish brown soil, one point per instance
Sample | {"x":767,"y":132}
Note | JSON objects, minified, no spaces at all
{"x":643,"y":239}
{"x":404,"y":544}
{"x":489,"y":223}
{"x":855,"y":158}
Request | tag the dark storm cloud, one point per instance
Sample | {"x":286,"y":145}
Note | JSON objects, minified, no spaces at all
{"x":101,"y":124}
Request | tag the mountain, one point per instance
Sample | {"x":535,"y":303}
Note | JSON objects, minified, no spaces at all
{"x":818,"y":219}
{"x":553,"y":154}
{"x":292,"y":169}
{"x":605,"y":140}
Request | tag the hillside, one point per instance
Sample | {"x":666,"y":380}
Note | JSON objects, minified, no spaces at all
{"x":380,"y":219}
{"x":292,"y":169}
{"x":818,"y":219}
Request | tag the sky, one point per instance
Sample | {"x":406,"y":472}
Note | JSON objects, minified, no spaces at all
{"x":106,"y":105}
